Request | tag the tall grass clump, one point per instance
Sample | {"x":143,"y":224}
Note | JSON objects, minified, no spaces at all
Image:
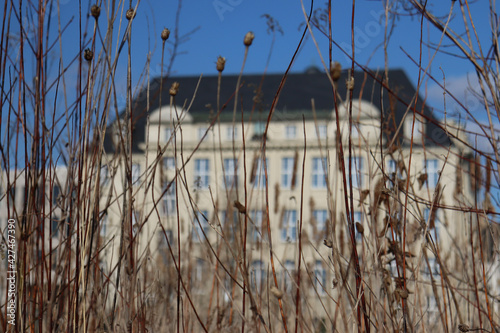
{"x":113,"y":236}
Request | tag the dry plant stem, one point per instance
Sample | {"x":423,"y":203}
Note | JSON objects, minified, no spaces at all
{"x":297,"y":298}
{"x":179,"y":262}
{"x":485,"y":284}
{"x":245,"y":224}
{"x":264,"y":140}
{"x":478,"y":305}
{"x":246,"y":202}
{"x":335,"y":252}
{"x":350,"y":210}
{"x":482,"y":73}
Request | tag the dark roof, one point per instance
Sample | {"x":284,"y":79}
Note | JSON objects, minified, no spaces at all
{"x":257,"y":93}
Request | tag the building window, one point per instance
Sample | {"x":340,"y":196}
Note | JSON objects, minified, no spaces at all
{"x":257,"y":217}
{"x":135,"y":224}
{"x":54,"y":226}
{"x":290,"y":132}
{"x":169,"y":163}
{"x":232,"y":132}
{"x":104,"y":225}
{"x":321,"y":131}
{"x":319,"y":173}
{"x":197,"y":275}
{"x":167,"y":134}
{"x":168,"y":201}
{"x":432,"y":169}
{"x":104,"y":175}
{"x":432,"y":308}
{"x":136,"y":173}
{"x":287,"y":164}
{"x":289,"y":226}
{"x":288,"y":275}
{"x":394,"y":173}
{"x":418,"y":130}
{"x":259,"y":128}
{"x":230,"y":173}
{"x":120,"y":132}
{"x":12,"y":194}
{"x":163,"y":240}
{"x":258,"y":274}
{"x":433,"y":220}
{"x":200,"y":226}
{"x":259,"y":180}
{"x":320,"y":217}
{"x":434,"y":268}
{"x":201,"y":133}
{"x":320,"y":278}
{"x":56,"y":192}
{"x":201,"y":173}
{"x":355,"y":130}
{"x":393,"y":267}
{"x":357,"y":171}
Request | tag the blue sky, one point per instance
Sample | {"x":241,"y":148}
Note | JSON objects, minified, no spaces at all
{"x":219,"y":27}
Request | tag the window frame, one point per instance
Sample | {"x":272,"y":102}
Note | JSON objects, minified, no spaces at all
{"x":320,"y":223}
{"x":168,"y":200}
{"x":230,"y":173}
{"x":259,"y":182}
{"x":290,"y":132}
{"x":202,"y":175}
{"x":288,"y":274}
{"x":104,"y":225}
{"x":319,"y":272}
{"x":135,"y":173}
{"x":357,"y":172}
{"x":259,"y":127}
{"x":289,"y":226}
{"x":168,"y":133}
{"x":169,"y":163}
{"x":229,"y":133}
{"x":322,"y":131}
{"x":201,"y":133}
{"x":199,"y":223}
{"x":287,"y":164}
{"x":319,"y":173}
{"x":432,"y":169}
{"x":257,"y":274}
{"x":257,"y":217}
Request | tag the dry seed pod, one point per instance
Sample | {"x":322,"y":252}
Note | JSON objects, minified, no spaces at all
{"x":174,"y":89}
{"x":165,"y":34}
{"x":221,"y":63}
{"x":88,"y":54}
{"x":328,"y":243}
{"x":350,"y":83}
{"x":276,"y":292}
{"x":130,"y":14}
{"x":363,"y":196}
{"x":360,"y":228}
{"x":403,"y":293}
{"x":421,"y":180}
{"x":95,"y":11}
{"x":463,"y":328}
{"x":335,"y":71}
{"x":239,"y":207}
{"x":248,"y":38}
